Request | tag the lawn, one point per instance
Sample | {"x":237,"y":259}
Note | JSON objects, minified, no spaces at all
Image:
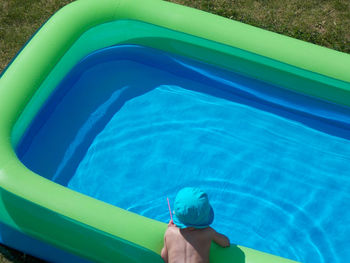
{"x":322,"y":22}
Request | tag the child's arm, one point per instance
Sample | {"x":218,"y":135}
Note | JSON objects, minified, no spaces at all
{"x":221,"y":239}
{"x":164,"y":253}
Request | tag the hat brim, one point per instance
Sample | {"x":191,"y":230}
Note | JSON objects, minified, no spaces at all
{"x":206,"y":224}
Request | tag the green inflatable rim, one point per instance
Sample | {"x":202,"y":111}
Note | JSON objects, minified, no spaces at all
{"x":66,"y":211}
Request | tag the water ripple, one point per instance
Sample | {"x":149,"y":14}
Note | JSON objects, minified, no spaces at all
{"x":274,"y":163}
{"x":266,"y":187}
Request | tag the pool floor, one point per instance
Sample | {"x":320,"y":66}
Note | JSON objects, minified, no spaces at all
{"x":275,"y":164}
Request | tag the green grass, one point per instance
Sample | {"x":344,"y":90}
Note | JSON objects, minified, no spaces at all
{"x":322,"y":22}
{"x":8,"y":255}
{"x":19,"y":20}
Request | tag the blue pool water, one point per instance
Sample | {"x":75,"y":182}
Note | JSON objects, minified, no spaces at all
{"x":131,"y":126}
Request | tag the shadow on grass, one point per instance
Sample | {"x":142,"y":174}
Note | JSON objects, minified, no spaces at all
{"x":11,"y":255}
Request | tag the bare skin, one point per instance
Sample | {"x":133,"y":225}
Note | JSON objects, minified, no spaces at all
{"x":190,"y":245}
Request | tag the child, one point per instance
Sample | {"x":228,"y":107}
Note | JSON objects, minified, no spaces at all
{"x":189,"y":237}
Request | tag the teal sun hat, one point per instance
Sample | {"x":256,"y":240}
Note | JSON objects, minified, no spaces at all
{"x":192,"y":209}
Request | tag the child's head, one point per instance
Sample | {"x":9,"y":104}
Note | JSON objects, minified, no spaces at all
{"x":192,"y":209}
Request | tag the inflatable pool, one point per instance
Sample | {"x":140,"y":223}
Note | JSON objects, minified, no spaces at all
{"x":55,"y":223}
